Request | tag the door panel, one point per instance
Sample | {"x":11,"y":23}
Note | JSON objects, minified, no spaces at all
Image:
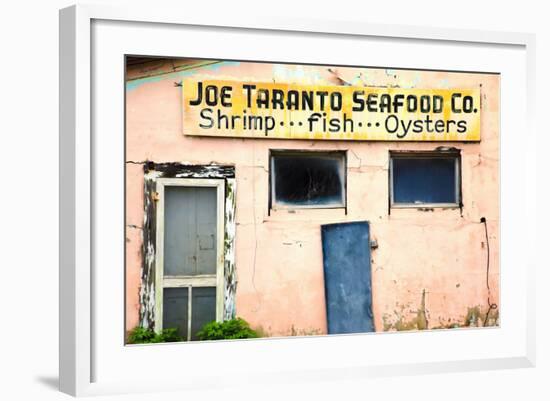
{"x":189,"y":230}
{"x":346,"y":264}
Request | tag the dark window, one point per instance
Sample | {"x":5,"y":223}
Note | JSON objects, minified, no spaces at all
{"x":432,"y":179}
{"x":308,"y":179}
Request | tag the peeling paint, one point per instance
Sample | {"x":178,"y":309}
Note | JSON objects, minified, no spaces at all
{"x":147,"y":288}
{"x":474,"y":317}
{"x":399,"y":323}
{"x":421,"y":317}
{"x":230,"y":273}
{"x":297,"y":332}
{"x":181,"y":170}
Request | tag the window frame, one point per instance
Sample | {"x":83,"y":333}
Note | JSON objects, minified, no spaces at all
{"x":186,"y":281}
{"x":273,"y":205}
{"x":436,"y":154}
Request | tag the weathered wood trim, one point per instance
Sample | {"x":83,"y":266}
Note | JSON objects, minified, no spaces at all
{"x":147,"y":288}
{"x":179,"y":170}
{"x":230,"y":273}
{"x":158,"y":198}
{"x":156,"y":175}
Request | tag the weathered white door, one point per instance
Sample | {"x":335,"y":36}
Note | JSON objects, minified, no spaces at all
{"x":190,"y":254}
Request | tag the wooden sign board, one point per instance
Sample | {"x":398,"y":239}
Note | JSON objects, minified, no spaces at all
{"x":292,"y":111}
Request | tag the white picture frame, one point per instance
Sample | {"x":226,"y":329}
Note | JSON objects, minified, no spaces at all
{"x":86,"y":349}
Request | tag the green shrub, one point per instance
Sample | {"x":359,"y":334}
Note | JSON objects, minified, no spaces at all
{"x":141,"y":335}
{"x":169,"y":335}
{"x":228,"y":330}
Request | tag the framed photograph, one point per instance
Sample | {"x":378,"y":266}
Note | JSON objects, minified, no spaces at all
{"x":302,"y":200}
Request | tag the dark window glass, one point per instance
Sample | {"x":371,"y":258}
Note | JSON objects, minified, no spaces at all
{"x":204,"y":308}
{"x":308,"y":179}
{"x":424,"y":180}
{"x":174,"y":310}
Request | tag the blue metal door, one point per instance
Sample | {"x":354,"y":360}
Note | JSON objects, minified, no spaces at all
{"x":346,"y":264}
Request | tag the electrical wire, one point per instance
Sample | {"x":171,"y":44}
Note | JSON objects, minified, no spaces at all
{"x":490,"y":305}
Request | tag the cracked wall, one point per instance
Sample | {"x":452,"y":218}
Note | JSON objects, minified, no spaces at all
{"x":429,"y":269}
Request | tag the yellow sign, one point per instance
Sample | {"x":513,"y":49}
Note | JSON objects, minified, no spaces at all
{"x":292,"y":111}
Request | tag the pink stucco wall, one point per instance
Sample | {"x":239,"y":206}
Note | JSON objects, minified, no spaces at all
{"x":429,"y":267}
